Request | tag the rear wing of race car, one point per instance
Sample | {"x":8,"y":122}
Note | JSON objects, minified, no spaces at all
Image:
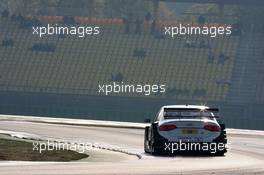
{"x":215,"y":111}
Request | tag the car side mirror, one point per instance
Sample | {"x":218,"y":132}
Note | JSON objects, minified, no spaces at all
{"x":147,"y":120}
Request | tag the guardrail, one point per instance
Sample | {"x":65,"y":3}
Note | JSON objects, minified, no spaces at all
{"x":103,"y":123}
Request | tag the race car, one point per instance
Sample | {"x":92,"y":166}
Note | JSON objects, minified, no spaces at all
{"x":195,"y":125}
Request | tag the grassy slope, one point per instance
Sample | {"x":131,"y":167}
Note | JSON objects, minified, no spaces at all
{"x":23,"y":151}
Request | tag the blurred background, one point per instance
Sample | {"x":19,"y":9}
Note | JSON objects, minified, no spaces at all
{"x":58,"y":76}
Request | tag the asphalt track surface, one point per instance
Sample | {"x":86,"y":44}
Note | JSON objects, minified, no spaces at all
{"x":246,"y":155}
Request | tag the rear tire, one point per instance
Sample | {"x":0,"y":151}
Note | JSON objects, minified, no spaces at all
{"x":156,"y":151}
{"x":146,"y":140}
{"x":156,"y":142}
{"x":222,"y":137}
{"x":223,"y":140}
{"x":220,"y":153}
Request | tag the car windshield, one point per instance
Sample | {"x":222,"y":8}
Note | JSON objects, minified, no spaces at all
{"x":187,"y":114}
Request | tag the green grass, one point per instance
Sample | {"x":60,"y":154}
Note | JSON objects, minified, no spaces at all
{"x":13,"y":150}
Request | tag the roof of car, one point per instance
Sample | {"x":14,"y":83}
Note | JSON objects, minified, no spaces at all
{"x":187,"y":106}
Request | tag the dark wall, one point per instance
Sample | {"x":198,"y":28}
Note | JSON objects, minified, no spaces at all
{"x":111,"y":108}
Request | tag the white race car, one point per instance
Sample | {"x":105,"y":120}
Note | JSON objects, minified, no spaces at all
{"x":186,"y":128}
